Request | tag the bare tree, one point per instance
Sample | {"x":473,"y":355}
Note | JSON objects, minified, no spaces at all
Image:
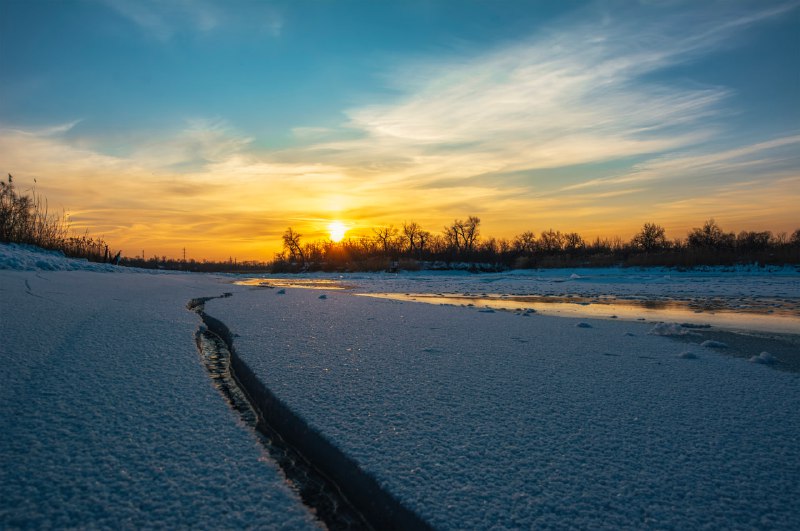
{"x":411,"y":232}
{"x":710,"y":235}
{"x":462,"y":235}
{"x":525,"y":243}
{"x":573,"y":242}
{"x":652,"y":237}
{"x":795,"y":238}
{"x":386,"y":238}
{"x":291,"y":242}
{"x":551,"y":241}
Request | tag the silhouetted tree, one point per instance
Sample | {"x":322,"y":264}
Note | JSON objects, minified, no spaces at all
{"x":291,"y":242}
{"x":462,"y":235}
{"x":386,"y":238}
{"x":551,"y":241}
{"x":411,"y":232}
{"x":652,"y":237}
{"x":573,"y":242}
{"x":525,"y":243}
{"x":753,"y":241}
{"x":795,"y":238}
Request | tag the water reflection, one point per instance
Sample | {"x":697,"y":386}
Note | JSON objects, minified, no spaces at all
{"x":308,"y":283}
{"x":757,"y":314}
{"x":712,"y":312}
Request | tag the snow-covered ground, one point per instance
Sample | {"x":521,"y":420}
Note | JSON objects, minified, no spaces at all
{"x":472,"y":418}
{"x":107,"y":417}
{"x":480,"y":419}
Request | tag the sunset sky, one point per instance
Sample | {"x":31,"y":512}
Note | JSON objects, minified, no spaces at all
{"x":215,"y":125}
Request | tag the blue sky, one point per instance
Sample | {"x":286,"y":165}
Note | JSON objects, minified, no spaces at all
{"x":214,"y":125}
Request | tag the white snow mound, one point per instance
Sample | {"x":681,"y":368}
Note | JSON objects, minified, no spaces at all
{"x":29,"y":258}
{"x":765,"y":358}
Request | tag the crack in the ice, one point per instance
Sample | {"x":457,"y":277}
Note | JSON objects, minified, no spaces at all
{"x":336,"y":489}
{"x":29,"y":291}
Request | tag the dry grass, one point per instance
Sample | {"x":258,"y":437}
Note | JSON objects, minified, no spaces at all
{"x":25,"y":218}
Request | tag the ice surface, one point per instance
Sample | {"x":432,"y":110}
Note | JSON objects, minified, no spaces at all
{"x":764,"y":358}
{"x":480,"y":420}
{"x":669,"y":329}
{"x":473,"y":419}
{"x":741,"y":282}
{"x":710,"y":343}
{"x":107,"y":417}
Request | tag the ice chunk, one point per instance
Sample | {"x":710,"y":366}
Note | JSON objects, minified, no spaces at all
{"x":765,"y":358}
{"x":710,"y":343}
{"x":669,"y":329}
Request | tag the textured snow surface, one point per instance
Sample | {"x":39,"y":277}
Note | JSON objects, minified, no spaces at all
{"x":479,"y":420}
{"x":107,"y":417}
{"x":28,"y":258}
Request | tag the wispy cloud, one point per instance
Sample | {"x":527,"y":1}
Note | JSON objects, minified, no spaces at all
{"x":163,"y":19}
{"x":583,"y":93}
{"x":586,"y":92}
{"x":759,"y":156}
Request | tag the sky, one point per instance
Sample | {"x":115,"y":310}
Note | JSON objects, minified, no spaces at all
{"x":214,"y":126}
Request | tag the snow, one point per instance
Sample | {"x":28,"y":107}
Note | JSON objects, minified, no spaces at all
{"x":107,"y":417}
{"x":764,"y":358}
{"x":472,"y":419}
{"x":772,"y":284}
{"x":670,"y":329}
{"x":29,"y":258}
{"x":710,"y":343}
{"x":477,"y":420}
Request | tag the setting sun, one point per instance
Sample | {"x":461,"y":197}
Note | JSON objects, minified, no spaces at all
{"x":337,"y":230}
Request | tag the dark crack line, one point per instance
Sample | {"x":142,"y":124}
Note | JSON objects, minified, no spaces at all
{"x":30,"y":292}
{"x":331,"y":484}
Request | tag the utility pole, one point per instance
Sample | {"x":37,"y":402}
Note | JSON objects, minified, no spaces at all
{"x":184,"y":254}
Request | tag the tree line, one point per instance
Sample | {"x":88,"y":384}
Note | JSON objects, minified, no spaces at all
{"x":460,"y":245}
{"x":25,"y":218}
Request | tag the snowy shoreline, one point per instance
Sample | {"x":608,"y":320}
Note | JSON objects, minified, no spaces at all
{"x":469,"y":418}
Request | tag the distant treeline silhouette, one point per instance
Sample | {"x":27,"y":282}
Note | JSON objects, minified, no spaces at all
{"x":460,"y":246}
{"x":24,"y":218}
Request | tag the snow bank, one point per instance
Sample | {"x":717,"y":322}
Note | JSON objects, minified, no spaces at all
{"x":107,"y":417}
{"x":30,"y":258}
{"x":479,"y":420}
